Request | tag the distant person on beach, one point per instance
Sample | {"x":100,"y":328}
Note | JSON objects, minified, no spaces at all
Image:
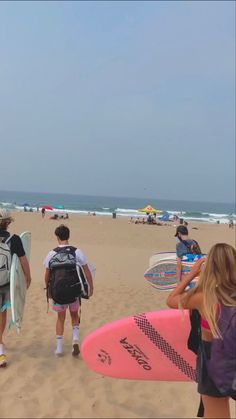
{"x":14,"y":244}
{"x":231,"y":224}
{"x":184,"y":246}
{"x":54,"y":217}
{"x":43,"y":212}
{"x":62,"y":234}
{"x":214,"y":297}
{"x":149,"y":219}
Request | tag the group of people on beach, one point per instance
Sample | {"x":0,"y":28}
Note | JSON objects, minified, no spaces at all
{"x":72,"y":302}
{"x":211,"y":303}
{"x":149,"y":221}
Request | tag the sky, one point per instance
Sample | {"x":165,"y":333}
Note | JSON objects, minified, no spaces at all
{"x":118,"y":98}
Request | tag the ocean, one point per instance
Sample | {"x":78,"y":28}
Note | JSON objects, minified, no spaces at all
{"x":209,"y":212}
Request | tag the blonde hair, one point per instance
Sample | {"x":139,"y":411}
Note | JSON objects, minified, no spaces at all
{"x":217,"y":282}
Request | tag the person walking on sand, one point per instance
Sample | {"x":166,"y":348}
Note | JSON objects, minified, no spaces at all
{"x":184,"y":246}
{"x":8,"y":244}
{"x":214,"y":296}
{"x":67,"y":279}
{"x":43,"y":211}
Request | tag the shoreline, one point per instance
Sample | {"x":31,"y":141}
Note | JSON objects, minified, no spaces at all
{"x":190,"y":211}
{"x":135,"y":215}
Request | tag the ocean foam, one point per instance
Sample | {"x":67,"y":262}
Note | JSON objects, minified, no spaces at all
{"x":190,"y":216}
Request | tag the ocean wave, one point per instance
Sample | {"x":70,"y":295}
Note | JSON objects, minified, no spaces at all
{"x":179,"y":213}
{"x":190,"y":216}
{"x":223,"y":215}
{"x":128,"y":210}
{"x":7,"y":204}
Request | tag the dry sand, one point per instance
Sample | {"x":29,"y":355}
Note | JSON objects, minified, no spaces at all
{"x":36,"y":384}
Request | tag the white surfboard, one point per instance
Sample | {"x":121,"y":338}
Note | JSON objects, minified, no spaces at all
{"x":162,"y":275}
{"x":154,"y":259}
{"x":18,"y":284}
{"x":92,"y":269}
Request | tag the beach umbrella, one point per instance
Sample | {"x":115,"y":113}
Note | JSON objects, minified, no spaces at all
{"x":149,"y":209}
{"x":59,"y":207}
{"x":47,"y":207}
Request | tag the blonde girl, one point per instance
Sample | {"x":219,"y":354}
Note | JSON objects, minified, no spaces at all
{"x":214,"y":293}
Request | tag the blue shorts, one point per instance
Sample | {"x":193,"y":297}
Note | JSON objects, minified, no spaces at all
{"x":4,"y":297}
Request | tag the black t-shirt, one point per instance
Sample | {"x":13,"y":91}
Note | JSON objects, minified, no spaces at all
{"x":14,"y":243}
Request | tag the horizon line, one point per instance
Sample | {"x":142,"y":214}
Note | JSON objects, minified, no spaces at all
{"x":112,"y":196}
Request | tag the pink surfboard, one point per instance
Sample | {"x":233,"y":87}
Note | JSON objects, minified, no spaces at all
{"x":149,"y":346}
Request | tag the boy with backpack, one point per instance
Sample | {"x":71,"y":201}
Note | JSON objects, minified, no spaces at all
{"x":9,"y":244}
{"x":185,"y":246}
{"x":67,"y":279}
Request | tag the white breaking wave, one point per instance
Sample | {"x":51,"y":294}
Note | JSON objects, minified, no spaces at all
{"x":205,"y":217}
{"x":128,"y":210}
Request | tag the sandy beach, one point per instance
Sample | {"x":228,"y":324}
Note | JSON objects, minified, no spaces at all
{"x":36,"y":384}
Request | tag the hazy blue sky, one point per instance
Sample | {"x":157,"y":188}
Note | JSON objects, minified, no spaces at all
{"x":118,"y":98}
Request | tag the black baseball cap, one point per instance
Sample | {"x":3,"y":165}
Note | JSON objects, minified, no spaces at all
{"x":182,"y":230}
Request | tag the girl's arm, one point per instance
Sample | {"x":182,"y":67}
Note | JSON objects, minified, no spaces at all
{"x":173,"y":300}
{"x":178,"y":269}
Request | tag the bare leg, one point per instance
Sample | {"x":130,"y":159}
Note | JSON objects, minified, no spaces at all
{"x":75,"y":325}
{"x":74,"y":318}
{"x":215,"y":407}
{"x":60,"y":323}
{"x":3,"y":321}
{"x":59,"y":331}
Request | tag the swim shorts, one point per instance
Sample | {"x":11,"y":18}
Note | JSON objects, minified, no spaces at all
{"x":4,"y":296}
{"x":58,"y":308}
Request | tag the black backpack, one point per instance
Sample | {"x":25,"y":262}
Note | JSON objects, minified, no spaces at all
{"x":193,"y":247}
{"x":195,"y":318}
{"x":67,"y":280}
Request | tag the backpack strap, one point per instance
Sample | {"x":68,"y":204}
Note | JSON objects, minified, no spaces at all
{"x":60,"y":249}
{"x":188,"y":245}
{"x":8,"y":239}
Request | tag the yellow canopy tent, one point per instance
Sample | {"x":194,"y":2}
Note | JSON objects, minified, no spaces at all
{"x":149,"y":209}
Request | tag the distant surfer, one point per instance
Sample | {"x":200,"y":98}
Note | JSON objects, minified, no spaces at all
{"x":69,"y":252}
{"x":8,"y":244}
